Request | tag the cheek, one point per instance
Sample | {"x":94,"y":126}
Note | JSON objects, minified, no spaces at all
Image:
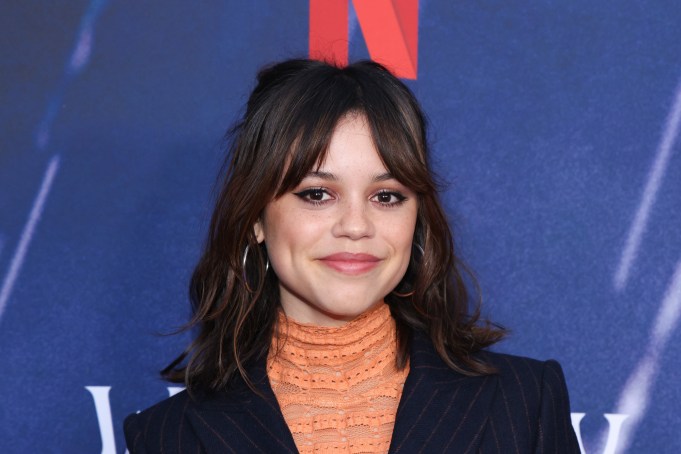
{"x":290,"y":235}
{"x":401,"y":232}
{"x":279,"y":239}
{"x":405,"y":251}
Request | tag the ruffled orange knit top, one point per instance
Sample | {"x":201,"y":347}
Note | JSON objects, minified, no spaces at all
{"x":338,"y":387}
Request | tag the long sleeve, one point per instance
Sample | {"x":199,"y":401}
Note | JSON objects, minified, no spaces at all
{"x":134,"y":435}
{"x":555,"y":433}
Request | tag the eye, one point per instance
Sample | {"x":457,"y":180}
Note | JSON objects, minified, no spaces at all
{"x":315,"y":196}
{"x":389,"y":198}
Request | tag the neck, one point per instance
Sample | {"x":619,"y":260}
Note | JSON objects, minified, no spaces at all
{"x":304,"y":314}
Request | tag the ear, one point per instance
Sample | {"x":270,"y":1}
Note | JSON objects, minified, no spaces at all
{"x":259,"y":231}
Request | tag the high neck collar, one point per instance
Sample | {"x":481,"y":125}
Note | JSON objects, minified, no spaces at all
{"x":365,"y":331}
{"x":335,"y":384}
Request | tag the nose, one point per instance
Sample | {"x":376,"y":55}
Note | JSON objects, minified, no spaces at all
{"x":353,"y":221}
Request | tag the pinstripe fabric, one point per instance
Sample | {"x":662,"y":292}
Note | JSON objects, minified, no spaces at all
{"x":523,"y":409}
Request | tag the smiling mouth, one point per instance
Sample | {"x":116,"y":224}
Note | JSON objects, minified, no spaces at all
{"x":351,"y":264}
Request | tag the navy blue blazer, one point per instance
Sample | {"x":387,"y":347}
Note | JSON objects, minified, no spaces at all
{"x":522,"y":409}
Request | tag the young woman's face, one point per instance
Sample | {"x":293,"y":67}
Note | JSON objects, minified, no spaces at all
{"x":341,"y":240}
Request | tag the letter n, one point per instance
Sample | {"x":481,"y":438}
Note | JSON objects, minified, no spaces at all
{"x":390,"y":29}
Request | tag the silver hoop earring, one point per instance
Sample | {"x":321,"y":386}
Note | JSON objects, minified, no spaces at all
{"x":408,"y":294}
{"x":243,"y":268}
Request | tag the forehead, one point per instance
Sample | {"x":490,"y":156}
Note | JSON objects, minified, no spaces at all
{"x":351,"y":148}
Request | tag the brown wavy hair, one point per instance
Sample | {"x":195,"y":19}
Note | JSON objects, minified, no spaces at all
{"x":285,"y":132}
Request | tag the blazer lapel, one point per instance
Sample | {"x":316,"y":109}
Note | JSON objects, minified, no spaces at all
{"x":441,"y":410}
{"x":239,"y":420}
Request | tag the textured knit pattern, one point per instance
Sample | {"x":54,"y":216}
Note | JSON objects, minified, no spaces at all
{"x":523,"y":409}
{"x":338,"y":388}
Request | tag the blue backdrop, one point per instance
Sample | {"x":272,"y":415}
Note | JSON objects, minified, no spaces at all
{"x":555,"y":123}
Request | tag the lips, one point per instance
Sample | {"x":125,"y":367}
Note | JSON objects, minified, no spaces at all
{"x":351,"y":264}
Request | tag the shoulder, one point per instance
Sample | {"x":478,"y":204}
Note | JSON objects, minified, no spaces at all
{"x":175,"y":424}
{"x":512,"y":367}
{"x":532,"y":398}
{"x":163,"y":422}
{"x":530,"y":378}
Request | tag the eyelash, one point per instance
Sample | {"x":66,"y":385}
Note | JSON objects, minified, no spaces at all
{"x":305,"y":196}
{"x":400,"y":198}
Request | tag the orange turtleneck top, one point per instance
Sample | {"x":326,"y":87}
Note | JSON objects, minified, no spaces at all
{"x":338,"y":387}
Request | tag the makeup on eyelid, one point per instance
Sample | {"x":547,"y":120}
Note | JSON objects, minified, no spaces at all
{"x":316,"y":196}
{"x":342,"y":239}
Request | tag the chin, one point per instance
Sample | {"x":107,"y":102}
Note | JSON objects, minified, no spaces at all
{"x":341,"y":310}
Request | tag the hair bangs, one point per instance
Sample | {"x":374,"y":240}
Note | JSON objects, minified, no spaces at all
{"x":399,"y":154}
{"x":314,"y":118}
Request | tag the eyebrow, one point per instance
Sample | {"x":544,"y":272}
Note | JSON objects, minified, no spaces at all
{"x":384,"y":177}
{"x":331,"y":177}
{"x":322,"y":175}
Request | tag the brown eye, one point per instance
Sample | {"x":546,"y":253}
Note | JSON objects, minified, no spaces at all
{"x":389,"y":198}
{"x":384,"y":197}
{"x":316,"y":195}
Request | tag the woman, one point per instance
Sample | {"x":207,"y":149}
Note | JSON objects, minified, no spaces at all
{"x":332,"y":310}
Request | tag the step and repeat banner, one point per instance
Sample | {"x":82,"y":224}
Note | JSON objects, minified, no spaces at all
{"x":554,"y":124}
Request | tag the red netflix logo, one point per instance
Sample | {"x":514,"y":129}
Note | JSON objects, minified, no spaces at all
{"x":390,"y":29}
